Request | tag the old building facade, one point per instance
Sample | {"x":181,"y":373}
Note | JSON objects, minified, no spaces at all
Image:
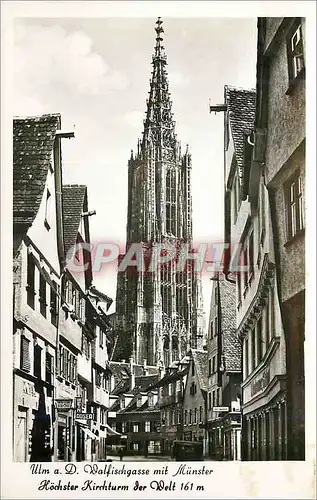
{"x":160,"y":311}
{"x":195,"y":398}
{"x":281,"y":113}
{"x":223,"y":414}
{"x":37,"y":268}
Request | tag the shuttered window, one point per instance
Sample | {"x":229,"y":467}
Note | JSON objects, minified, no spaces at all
{"x":25,"y":354}
{"x":53,"y":306}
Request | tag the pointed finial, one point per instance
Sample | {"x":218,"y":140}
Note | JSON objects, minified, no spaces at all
{"x":131,"y":154}
{"x":159,"y":29}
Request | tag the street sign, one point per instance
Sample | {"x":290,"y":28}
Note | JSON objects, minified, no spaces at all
{"x":220,"y":408}
{"x":63,"y":404}
{"x":84,"y":416}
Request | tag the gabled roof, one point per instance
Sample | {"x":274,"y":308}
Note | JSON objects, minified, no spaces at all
{"x":33,"y":143}
{"x":200,"y":359}
{"x":241,"y":108}
{"x":73,"y":206}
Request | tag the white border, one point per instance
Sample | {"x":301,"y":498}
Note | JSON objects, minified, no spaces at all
{"x":230,"y":480}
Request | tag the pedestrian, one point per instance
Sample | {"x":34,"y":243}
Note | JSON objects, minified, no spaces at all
{"x":121,"y":453}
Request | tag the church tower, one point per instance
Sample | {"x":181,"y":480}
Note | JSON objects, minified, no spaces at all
{"x":159,"y":315}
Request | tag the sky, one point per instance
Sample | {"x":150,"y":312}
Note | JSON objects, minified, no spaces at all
{"x":95,"y":73}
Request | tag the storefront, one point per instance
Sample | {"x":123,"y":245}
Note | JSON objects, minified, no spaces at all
{"x":265,"y":415}
{"x":26,"y":401}
{"x":32,"y":422}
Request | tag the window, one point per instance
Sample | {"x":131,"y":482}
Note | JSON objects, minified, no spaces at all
{"x":213,"y":399}
{"x":100,"y":336}
{"x":209,"y":367}
{"x":98,"y":378}
{"x":139,"y":401}
{"x":209,"y":401}
{"x":295,"y":51}
{"x":218,"y":397}
{"x":69,"y":293}
{"x":253,"y":361}
{"x":216,"y":326}
{"x":85,"y":346}
{"x":211,"y":330}
{"x":25,"y":363}
{"x":213,"y":364}
{"x":170,"y":389}
{"x":124,"y":427}
{"x":294,"y":204}
{"x":246,"y":356}
{"x":190,"y":417}
{"x":245,"y":264}
{"x":185,"y":417}
{"x":42,"y":297}
{"x":259,"y":338}
{"x":122,"y":403}
{"x":251,"y":256}
{"x":147,"y":427}
{"x":37,"y":362}
{"x":48,"y":211}
{"x":193,"y":368}
{"x":272,"y":307}
{"x":200,"y":414}
{"x":53,"y":305}
{"x":135,"y":446}
{"x":195,"y":415}
{"x":151,"y":400}
{"x":49,"y":371}
{"x":30,"y":280}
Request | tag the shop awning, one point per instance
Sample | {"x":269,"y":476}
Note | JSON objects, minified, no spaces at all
{"x":88,"y":432}
{"x":108,"y":431}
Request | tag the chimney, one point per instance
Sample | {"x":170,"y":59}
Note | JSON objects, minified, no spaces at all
{"x":132,"y":373}
{"x":122,"y":361}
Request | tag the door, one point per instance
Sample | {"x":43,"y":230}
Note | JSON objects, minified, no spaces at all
{"x":21,"y":444}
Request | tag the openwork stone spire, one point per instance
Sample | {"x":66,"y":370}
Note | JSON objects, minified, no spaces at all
{"x":159,"y":127}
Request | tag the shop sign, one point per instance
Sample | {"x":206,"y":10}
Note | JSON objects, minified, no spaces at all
{"x":260,"y":383}
{"x":28,"y":389}
{"x":220,"y":408}
{"x":63,"y":404}
{"x":84,"y":416}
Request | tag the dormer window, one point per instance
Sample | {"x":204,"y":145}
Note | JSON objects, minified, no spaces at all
{"x":139,"y":401}
{"x":151,"y":400}
{"x":122,"y":403}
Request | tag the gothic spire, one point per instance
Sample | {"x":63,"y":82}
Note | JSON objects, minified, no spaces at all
{"x":159,"y":127}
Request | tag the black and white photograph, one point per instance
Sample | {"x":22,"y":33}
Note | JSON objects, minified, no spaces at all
{"x":159,"y":215}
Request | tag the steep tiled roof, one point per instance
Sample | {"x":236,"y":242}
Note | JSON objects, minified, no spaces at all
{"x":241,"y":108}
{"x":33,"y":142}
{"x":73,"y":204}
{"x":230,"y":341}
{"x":200,"y":359}
{"x":144,"y":382}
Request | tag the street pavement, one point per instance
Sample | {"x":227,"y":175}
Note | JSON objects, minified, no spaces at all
{"x":139,"y":458}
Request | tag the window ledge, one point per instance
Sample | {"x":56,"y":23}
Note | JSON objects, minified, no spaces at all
{"x":300,"y":234}
{"x":295,"y":81}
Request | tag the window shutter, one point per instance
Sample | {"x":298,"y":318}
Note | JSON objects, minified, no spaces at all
{"x":25,"y":354}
